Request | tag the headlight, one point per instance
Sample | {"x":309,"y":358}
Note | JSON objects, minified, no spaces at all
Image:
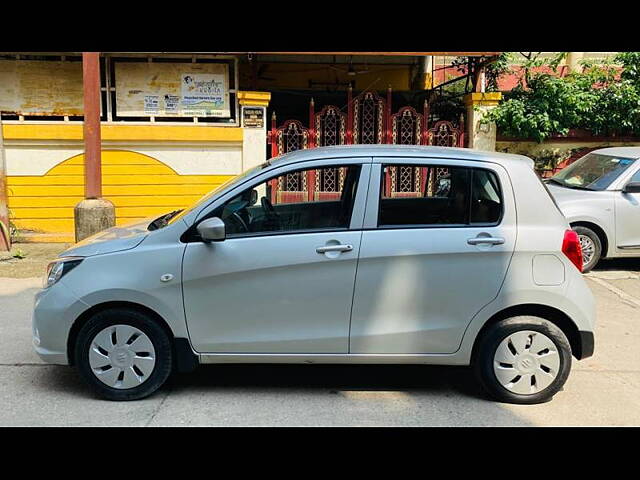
{"x":59,"y":268}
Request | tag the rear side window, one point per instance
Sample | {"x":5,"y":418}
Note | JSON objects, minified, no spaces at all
{"x":438,"y":196}
{"x":486,"y":203}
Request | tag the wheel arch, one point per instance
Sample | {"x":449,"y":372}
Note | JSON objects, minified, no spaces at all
{"x":555,"y":316}
{"x":598,"y":230}
{"x":183,"y":354}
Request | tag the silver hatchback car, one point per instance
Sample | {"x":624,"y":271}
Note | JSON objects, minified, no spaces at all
{"x":600,"y":196}
{"x":412,"y":255}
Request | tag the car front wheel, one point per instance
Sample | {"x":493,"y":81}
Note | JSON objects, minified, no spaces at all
{"x":523,"y":359}
{"x":123,"y":354}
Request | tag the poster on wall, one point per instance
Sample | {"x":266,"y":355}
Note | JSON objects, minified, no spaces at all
{"x":172,"y":89}
{"x":202,"y":94}
{"x":151,"y":104}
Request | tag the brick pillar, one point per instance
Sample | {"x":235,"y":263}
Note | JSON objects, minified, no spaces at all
{"x":481,"y":136}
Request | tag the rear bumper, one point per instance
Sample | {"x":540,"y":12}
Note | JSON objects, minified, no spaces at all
{"x":587,"y":343}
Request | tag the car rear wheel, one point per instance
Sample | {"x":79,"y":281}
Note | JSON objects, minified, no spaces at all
{"x":123,"y":354}
{"x":591,"y":246}
{"x":523,"y":360}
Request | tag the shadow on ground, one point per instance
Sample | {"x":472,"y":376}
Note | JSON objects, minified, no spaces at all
{"x":332,"y":378}
{"x":628,"y":264}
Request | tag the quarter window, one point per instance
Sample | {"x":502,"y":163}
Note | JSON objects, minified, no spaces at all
{"x":438,"y":195}
{"x":301,"y":200}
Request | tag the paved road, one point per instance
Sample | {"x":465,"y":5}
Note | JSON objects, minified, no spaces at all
{"x":602,"y":390}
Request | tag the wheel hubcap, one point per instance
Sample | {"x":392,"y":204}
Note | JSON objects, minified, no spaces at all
{"x":121,"y":356}
{"x":588,"y":249}
{"x":526,"y":362}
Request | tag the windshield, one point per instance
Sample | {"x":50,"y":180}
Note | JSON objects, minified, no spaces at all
{"x":594,"y":171}
{"x":228,"y":184}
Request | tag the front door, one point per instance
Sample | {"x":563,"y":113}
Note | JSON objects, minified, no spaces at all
{"x":430,"y":259}
{"x":627,"y":207}
{"x":282,"y":281}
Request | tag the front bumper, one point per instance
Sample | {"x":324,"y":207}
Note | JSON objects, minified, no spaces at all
{"x":55,"y":310}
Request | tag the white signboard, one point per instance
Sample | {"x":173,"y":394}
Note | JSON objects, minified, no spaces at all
{"x":172,"y":89}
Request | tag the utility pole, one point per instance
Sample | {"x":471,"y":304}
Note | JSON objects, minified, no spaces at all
{"x":94,"y":213}
{"x":5,"y":230}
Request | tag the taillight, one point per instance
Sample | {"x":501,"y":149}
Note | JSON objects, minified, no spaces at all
{"x":571,"y":248}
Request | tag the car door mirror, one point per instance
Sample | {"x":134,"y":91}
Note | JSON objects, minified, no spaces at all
{"x":211,"y":230}
{"x":254,"y":197}
{"x":631,"y":187}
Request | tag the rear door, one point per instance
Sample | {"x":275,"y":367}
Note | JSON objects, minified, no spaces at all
{"x":437,"y":241}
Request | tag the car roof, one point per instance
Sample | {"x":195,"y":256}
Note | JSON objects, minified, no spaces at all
{"x":418,"y":151}
{"x":630,"y":152}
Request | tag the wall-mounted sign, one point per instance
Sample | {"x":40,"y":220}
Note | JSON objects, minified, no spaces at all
{"x":172,"y":89}
{"x":253,"y":117}
{"x":35,"y":87}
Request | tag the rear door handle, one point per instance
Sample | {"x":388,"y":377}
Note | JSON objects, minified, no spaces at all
{"x":487,"y":240}
{"x":334,"y":248}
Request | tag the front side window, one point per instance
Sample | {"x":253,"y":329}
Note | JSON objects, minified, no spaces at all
{"x":301,"y":200}
{"x":594,"y":171}
{"x":438,"y":195}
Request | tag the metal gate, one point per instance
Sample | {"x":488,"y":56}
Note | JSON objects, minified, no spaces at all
{"x":368,"y":120}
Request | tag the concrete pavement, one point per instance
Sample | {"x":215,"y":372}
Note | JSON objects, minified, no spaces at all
{"x":602,"y":390}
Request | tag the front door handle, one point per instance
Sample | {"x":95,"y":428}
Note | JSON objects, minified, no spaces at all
{"x":485,"y":240}
{"x":334,"y":248}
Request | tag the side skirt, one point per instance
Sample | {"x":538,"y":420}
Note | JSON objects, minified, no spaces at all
{"x":390,"y":358}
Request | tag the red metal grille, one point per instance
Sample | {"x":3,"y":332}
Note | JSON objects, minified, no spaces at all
{"x":290,"y":137}
{"x":406,"y":127}
{"x":368,"y":118}
{"x":331,"y":125}
{"x":368,"y":121}
{"x":444,"y":134}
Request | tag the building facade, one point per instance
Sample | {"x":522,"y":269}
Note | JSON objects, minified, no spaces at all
{"x":176,"y":125}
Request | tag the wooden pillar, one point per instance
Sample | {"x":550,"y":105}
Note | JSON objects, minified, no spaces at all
{"x":5,"y":231}
{"x":92,"y":139}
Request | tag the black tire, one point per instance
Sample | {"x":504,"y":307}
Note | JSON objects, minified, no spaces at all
{"x":491,"y":339}
{"x":597,"y":243}
{"x":159,"y":338}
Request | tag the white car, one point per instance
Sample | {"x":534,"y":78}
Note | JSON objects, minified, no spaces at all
{"x":600,"y":196}
{"x":413,"y":255}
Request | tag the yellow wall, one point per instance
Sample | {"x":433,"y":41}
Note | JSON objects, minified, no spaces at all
{"x":165,"y":133}
{"x":138,"y":185}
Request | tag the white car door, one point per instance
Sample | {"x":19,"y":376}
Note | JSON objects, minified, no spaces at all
{"x":627,"y":208}
{"x":438,"y":238}
{"x":282,"y":281}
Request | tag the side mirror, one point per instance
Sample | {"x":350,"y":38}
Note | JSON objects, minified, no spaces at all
{"x":254,"y":197}
{"x":211,"y":230}
{"x":631,"y":187}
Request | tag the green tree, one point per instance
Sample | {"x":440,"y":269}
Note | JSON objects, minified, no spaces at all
{"x":602,"y":99}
